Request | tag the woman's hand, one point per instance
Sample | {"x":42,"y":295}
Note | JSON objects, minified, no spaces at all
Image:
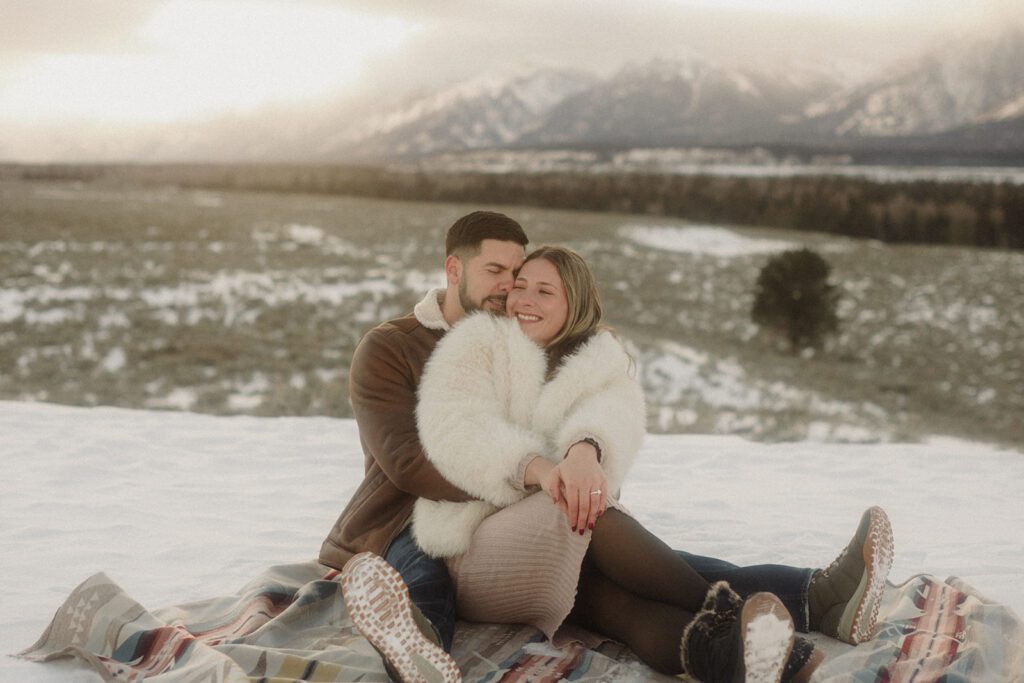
{"x":583,"y":488}
{"x":537,"y":471}
{"x":551,"y":484}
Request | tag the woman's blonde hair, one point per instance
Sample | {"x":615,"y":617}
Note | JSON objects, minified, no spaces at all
{"x":581,"y":291}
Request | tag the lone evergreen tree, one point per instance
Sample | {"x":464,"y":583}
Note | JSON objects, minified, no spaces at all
{"x":793,"y":297}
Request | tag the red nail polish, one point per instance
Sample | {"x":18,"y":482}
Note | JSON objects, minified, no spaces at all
{"x":574,"y":528}
{"x":591,"y":527}
{"x":581,"y":532}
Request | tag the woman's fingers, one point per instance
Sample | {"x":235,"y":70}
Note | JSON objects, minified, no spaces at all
{"x":556,"y":493}
{"x":553,"y":485}
{"x":586,"y":503}
{"x":584,"y":487}
{"x":586,"y":483}
{"x":563,"y":505}
{"x":597,"y":502}
{"x":590,"y":496}
{"x":597,"y":492}
{"x":572,"y":498}
{"x":557,"y":490}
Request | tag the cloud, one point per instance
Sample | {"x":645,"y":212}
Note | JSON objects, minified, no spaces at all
{"x":153,"y":59}
{"x":462,"y":39}
{"x":44,"y":26}
{"x":195,"y":58}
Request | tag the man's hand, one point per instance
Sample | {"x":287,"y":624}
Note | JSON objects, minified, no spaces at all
{"x":582,"y":489}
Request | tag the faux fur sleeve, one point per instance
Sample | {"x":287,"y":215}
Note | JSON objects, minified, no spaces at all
{"x":607,"y":404}
{"x":466,"y":413}
{"x":616,"y":417}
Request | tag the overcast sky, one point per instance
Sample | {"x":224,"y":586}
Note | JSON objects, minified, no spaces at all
{"x":154,"y":61}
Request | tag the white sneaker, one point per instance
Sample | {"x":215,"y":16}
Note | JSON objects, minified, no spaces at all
{"x":378,"y":602}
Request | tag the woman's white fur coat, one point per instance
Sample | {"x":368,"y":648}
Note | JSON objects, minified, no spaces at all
{"x":484,"y":406}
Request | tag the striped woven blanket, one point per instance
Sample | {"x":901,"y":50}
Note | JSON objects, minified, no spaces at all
{"x":290,"y":624}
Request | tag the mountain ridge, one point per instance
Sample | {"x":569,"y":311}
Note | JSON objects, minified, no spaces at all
{"x":949,"y":96}
{"x":961,"y":102}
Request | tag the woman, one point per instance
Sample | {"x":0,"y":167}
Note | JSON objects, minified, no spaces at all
{"x":546,"y":398}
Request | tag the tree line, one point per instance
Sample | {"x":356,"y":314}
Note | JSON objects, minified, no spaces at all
{"x":960,"y":213}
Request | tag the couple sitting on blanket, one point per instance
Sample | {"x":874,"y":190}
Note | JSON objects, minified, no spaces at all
{"x":492,"y":471}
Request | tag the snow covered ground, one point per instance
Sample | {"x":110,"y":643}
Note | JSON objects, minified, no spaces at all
{"x":178,"y":506}
{"x":243,"y":303}
{"x":711,"y":240}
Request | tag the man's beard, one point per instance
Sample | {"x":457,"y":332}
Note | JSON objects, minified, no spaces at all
{"x":470,"y":306}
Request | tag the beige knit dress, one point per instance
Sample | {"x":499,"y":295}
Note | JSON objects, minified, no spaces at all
{"x":523,"y":567}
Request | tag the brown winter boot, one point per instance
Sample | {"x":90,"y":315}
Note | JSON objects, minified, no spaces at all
{"x":803,"y":661}
{"x":843,"y":599}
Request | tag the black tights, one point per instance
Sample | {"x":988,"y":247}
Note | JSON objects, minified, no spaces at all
{"x":635,"y":589}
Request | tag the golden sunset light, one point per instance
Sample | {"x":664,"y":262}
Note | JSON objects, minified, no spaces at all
{"x":193,"y":59}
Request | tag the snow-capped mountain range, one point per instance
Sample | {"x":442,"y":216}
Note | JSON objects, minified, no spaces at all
{"x":684,"y":101}
{"x":969,"y":84}
{"x":490,"y":111}
{"x":967,"y":97}
{"x":657,"y":103}
{"x":953,"y":95}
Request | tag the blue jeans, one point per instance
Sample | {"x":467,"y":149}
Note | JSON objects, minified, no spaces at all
{"x":430,"y":585}
{"x":789,"y":584}
{"x":431,"y":589}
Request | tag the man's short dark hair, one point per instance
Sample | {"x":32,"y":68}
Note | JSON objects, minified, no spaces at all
{"x":467,"y":233}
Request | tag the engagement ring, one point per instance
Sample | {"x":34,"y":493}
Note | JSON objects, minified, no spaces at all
{"x":596,"y":493}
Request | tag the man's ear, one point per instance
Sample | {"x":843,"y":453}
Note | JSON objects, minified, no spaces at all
{"x":453,"y":269}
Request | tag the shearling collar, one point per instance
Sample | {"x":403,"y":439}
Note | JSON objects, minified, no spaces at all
{"x":428,"y":311}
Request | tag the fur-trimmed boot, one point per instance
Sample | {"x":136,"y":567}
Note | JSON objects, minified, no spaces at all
{"x":733,"y":641}
{"x":803,"y":661}
{"x":843,"y":599}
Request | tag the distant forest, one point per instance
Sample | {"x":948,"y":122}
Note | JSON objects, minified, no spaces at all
{"x":976,"y":214}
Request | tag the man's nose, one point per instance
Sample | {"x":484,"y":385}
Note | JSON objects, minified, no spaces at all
{"x":506,"y":285}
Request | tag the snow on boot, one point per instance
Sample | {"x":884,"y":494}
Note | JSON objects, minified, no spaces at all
{"x":844,"y":598}
{"x":731,"y":641}
{"x":767,"y":630}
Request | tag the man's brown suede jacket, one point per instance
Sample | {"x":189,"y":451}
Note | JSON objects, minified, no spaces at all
{"x":384,"y":377}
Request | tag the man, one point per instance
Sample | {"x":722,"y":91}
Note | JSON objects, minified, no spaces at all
{"x":483,"y":250}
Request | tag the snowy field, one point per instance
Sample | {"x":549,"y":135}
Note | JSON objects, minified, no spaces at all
{"x":177,"y":506}
{"x":246,"y":303}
